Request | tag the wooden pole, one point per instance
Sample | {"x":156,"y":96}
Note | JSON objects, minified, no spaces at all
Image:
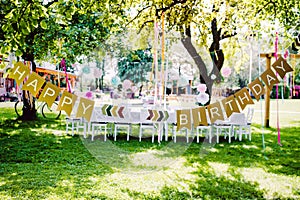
{"x":268,"y":57}
{"x":267,"y":95}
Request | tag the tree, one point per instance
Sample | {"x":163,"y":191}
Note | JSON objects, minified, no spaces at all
{"x":135,"y":65}
{"x":210,"y":23}
{"x":66,"y":29}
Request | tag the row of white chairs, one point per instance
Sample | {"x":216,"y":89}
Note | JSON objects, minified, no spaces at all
{"x":237,"y":124}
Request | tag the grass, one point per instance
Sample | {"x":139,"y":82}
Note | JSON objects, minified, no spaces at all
{"x":40,"y":161}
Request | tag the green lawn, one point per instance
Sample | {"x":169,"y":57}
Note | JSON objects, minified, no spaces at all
{"x":40,"y":161}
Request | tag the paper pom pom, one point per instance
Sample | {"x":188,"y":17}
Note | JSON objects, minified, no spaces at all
{"x":89,"y":95}
{"x":126,"y":84}
{"x":203,"y":98}
{"x":201,"y":87}
{"x":97,"y":73}
{"x":226,"y":71}
{"x":115,"y":81}
{"x":134,"y":88}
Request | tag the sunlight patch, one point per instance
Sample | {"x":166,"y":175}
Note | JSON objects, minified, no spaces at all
{"x":274,"y":185}
{"x":249,"y":146}
{"x":152,"y":182}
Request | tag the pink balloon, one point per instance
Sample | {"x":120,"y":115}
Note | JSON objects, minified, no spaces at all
{"x":201,"y":87}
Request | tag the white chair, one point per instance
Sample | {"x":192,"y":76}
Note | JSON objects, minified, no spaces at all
{"x":123,"y":123}
{"x":75,"y":123}
{"x":175,"y":132}
{"x":207,"y":129}
{"x":244,"y":125}
{"x":99,"y":122}
{"x":146,"y":124}
{"x":225,"y":127}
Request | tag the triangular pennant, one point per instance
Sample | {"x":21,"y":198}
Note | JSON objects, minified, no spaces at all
{"x":67,"y":102}
{"x":49,"y":93}
{"x":19,"y":72}
{"x":243,"y":97}
{"x":34,"y":83}
{"x":281,"y":67}
{"x":257,"y":88}
{"x":85,"y":108}
{"x":230,"y":105}
{"x":215,"y":112}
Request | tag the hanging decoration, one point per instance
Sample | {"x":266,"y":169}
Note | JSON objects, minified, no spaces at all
{"x":277,"y":106}
{"x":226,"y":71}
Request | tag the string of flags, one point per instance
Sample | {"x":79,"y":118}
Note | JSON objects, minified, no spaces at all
{"x":185,"y":118}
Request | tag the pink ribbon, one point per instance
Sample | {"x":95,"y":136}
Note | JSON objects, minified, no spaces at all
{"x":63,"y":64}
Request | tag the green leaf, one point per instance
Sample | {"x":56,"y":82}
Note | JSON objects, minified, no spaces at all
{"x":43,"y":24}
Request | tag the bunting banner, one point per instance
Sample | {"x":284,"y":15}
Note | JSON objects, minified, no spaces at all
{"x":257,"y":88}
{"x":199,"y":116}
{"x":85,"y":108}
{"x":184,"y":118}
{"x":34,"y":83}
{"x":243,"y":97}
{"x":215,"y":112}
{"x":230,"y":106}
{"x":67,"y":102}
{"x":49,"y":94}
{"x":157,"y":115}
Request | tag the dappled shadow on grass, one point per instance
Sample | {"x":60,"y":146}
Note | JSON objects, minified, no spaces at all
{"x":208,"y":186}
{"x":274,"y":158}
{"x":35,"y":163}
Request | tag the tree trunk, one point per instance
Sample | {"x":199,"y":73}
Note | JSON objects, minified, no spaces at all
{"x":29,"y":110}
{"x":204,"y":78}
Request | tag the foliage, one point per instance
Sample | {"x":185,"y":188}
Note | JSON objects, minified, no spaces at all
{"x":61,"y":28}
{"x":286,"y":91}
{"x":213,"y":24}
{"x":135,"y":65}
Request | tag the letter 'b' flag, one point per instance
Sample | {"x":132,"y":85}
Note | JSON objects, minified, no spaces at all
{"x":67,"y":102}
{"x":49,"y":94}
{"x":184,"y":119}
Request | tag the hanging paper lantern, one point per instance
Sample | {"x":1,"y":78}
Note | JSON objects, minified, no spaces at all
{"x":134,"y":88}
{"x":201,"y":87}
{"x":126,"y":84}
{"x":115,"y":81}
{"x":226,"y":71}
{"x":97,"y":73}
{"x":203,"y":98}
{"x":86,"y":70}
